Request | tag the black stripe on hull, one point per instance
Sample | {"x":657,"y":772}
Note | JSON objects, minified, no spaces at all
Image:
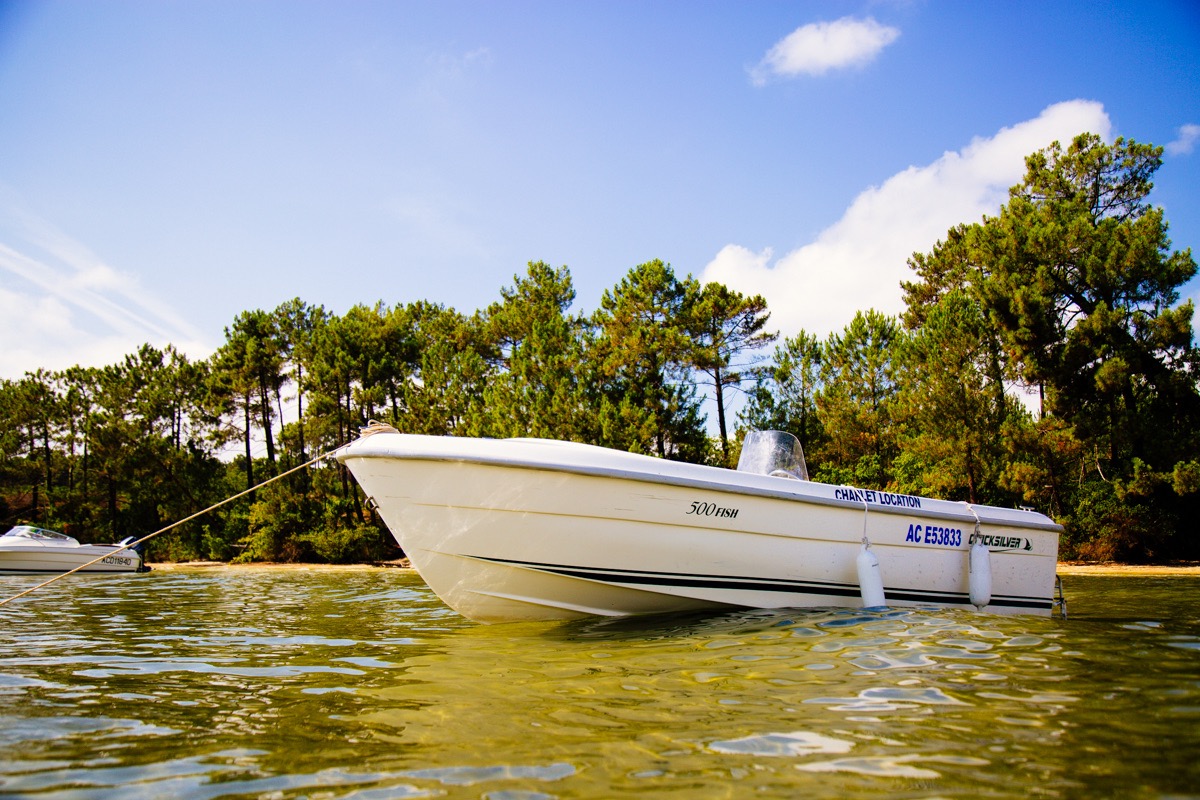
{"x":780,"y":585}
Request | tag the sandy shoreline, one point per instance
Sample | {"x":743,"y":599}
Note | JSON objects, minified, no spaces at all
{"x":1068,"y":568}
{"x":1064,"y":568}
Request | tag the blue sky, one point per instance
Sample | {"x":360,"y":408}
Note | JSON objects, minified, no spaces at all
{"x":165,"y":165}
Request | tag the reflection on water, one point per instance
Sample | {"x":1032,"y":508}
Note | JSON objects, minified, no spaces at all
{"x":210,"y":683}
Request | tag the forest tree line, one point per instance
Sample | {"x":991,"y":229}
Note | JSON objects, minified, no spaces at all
{"x":1069,"y":297}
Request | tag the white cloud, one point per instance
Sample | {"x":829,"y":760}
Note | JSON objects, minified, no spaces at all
{"x":1188,"y":135}
{"x":40,"y":331}
{"x":816,"y":48}
{"x":65,"y":306}
{"x":859,"y":261}
{"x":456,"y":65}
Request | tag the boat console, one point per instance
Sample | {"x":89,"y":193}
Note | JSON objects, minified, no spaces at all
{"x":40,"y":535}
{"x":775,"y":453}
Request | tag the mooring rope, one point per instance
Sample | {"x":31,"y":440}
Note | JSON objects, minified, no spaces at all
{"x":978,"y":523}
{"x":173,"y":525}
{"x":866,"y":515}
{"x":374,"y":426}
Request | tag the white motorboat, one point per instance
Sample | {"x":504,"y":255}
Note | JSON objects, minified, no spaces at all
{"x":26,"y":548}
{"x":525,"y":529}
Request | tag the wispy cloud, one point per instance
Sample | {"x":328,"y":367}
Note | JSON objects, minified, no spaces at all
{"x":859,"y":261}
{"x":818,"y":47}
{"x":62,"y":305}
{"x":435,"y":224}
{"x":1186,"y":143}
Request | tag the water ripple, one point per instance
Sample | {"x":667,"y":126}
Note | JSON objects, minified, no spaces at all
{"x":796,"y":743}
{"x":361,"y":684}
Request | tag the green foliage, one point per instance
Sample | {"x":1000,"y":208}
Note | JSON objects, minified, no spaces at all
{"x":1070,"y":293}
{"x":1082,"y":283}
{"x":130,"y":448}
{"x":1043,"y":463}
{"x":726,"y":328}
{"x":445,"y":394}
{"x":784,"y":394}
{"x":105,"y":453}
{"x":642,"y":355}
{"x":340,"y":544}
{"x":537,"y":388}
{"x":857,"y":402}
{"x":1106,"y":526}
{"x":1185,"y":478}
{"x":1078,"y":279}
{"x":275,"y":519}
{"x":952,"y":403}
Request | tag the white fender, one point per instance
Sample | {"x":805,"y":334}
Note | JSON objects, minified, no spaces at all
{"x":870,"y":578}
{"x":979,"y":578}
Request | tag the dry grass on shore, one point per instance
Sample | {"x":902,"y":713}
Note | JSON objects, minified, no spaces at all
{"x":168,"y":565}
{"x":1108,"y":568}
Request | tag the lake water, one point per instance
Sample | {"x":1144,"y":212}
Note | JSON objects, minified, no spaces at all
{"x":260,"y":683}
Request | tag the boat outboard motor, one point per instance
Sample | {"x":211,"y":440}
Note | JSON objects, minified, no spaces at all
{"x":776,"y":453}
{"x":140,"y":549}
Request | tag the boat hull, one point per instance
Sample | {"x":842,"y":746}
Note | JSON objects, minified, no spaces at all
{"x":530,"y":529}
{"x":26,"y":559}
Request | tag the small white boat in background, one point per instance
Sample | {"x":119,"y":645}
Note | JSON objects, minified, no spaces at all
{"x":26,"y":548}
{"x":530,"y":529}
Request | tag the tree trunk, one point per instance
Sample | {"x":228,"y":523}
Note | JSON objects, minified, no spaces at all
{"x":971,"y":481}
{"x":87,"y":451}
{"x":113,"y":521}
{"x":264,"y":405}
{"x":351,"y":488}
{"x":249,"y":457}
{"x":46,"y":457}
{"x":300,"y":412}
{"x":720,"y":397}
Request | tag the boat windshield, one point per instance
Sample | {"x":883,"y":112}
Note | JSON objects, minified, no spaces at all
{"x":30,"y":532}
{"x":776,"y":453}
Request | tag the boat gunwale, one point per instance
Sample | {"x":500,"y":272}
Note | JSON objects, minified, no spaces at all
{"x":364,"y":449}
